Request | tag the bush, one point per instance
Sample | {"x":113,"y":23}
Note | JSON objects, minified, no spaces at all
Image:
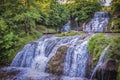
{"x":117,"y":24}
{"x":114,"y":50}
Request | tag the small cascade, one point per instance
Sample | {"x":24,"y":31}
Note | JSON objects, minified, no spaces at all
{"x":25,"y":57}
{"x":76,"y":60}
{"x":98,"y":23}
{"x":48,"y":49}
{"x":36,"y":54}
{"x":32,"y":60}
{"x":105,"y":2}
{"x":100,"y":61}
{"x":66,"y":27}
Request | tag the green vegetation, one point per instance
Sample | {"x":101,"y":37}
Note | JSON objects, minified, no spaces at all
{"x":116,"y":24}
{"x":114,"y":50}
{"x":83,"y":10}
{"x":96,"y":45}
{"x":115,"y":8}
{"x":115,"y":14}
{"x":99,"y":42}
{"x":118,"y":76}
{"x":22,"y":21}
{"x":69,"y":34}
{"x":11,"y":44}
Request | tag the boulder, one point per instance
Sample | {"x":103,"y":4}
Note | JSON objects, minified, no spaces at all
{"x":56,"y":64}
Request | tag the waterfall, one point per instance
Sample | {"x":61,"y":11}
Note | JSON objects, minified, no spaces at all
{"x":66,"y":27}
{"x":98,"y":23}
{"x":76,"y":60}
{"x":100,"y":61}
{"x":36,"y":55}
{"x":105,"y":2}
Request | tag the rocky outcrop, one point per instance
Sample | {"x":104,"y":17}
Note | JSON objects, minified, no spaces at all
{"x":107,"y":71}
{"x":89,"y":67}
{"x":56,"y":64}
{"x":8,"y":75}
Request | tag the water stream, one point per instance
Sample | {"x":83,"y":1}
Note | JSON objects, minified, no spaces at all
{"x":98,"y":23}
{"x":66,"y":27}
{"x":32,"y":60}
{"x":100,"y":61}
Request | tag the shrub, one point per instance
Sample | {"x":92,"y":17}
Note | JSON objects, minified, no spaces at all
{"x":114,"y":50}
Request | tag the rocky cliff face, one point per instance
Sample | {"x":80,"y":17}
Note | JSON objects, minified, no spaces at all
{"x":56,"y":64}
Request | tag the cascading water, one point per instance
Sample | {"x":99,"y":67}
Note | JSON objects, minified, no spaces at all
{"x":100,"y":62}
{"x":76,"y":60}
{"x":32,"y":60}
{"x":36,"y":55}
{"x":105,"y":2}
{"x":66,"y":27}
{"x":98,"y":23}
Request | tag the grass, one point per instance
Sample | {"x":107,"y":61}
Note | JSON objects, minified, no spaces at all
{"x":69,"y":34}
{"x":96,"y":45}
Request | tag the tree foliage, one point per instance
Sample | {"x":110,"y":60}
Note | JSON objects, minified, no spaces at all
{"x":83,"y":10}
{"x":20,"y":19}
{"x":115,"y":6}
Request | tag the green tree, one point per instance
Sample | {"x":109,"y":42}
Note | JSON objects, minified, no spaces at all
{"x":53,"y":13}
{"x":115,"y":11}
{"x":20,"y":19}
{"x":7,"y":42}
{"x":115,"y":6}
{"x":15,"y":17}
{"x":83,"y":10}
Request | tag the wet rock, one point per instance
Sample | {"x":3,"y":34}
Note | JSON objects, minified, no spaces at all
{"x":108,"y":71}
{"x":89,"y":67}
{"x":4,"y":75}
{"x":56,"y":64}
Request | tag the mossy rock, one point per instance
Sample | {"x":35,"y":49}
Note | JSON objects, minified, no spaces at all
{"x":56,"y":64}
